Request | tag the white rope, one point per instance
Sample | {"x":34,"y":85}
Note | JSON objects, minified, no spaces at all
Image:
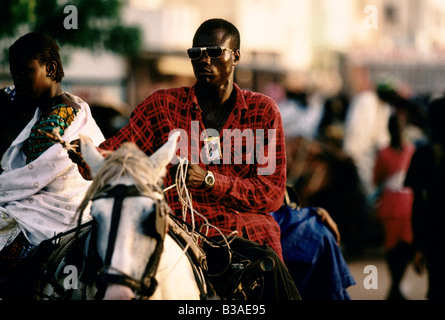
{"x":181,"y":187}
{"x":186,"y":201}
{"x":185,"y":197}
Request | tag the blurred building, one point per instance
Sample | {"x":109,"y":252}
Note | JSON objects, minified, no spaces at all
{"x":266,"y":28}
{"x":307,"y":44}
{"x":408,"y":44}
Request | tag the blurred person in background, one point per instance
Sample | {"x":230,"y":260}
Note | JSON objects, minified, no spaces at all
{"x":426,"y":176}
{"x":317,"y":167}
{"x":394,"y":204}
{"x":366,"y":126}
{"x":332,"y":124}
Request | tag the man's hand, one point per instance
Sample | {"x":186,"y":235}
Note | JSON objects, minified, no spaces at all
{"x":195,"y":175}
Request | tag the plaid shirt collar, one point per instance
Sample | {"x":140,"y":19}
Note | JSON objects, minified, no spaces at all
{"x":240,"y":103}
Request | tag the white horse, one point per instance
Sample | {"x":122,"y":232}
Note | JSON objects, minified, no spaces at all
{"x":139,"y":258}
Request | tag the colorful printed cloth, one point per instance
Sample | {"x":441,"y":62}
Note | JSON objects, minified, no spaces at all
{"x":60,"y":116}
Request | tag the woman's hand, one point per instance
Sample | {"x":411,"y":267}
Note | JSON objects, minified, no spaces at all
{"x":329,"y":222}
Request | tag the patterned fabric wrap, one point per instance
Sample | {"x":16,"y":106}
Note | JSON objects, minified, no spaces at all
{"x":61,"y":117}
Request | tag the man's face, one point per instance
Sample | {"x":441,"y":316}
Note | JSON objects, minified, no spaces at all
{"x":215,"y":72}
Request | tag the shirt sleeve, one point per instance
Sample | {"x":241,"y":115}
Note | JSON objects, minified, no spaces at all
{"x":138,"y":130}
{"x":142,"y":128}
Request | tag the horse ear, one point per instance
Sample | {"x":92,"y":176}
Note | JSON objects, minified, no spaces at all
{"x":165,"y":154}
{"x":90,"y":154}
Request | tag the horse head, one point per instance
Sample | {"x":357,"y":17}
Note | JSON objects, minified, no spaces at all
{"x":129,"y":208}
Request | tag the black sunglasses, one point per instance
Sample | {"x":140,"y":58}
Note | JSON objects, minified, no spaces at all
{"x":213,"y":52}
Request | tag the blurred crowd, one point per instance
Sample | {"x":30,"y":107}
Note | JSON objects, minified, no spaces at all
{"x":375,"y":160}
{"x":332,"y":145}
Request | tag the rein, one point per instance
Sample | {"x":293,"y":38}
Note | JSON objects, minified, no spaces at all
{"x":146,"y":286}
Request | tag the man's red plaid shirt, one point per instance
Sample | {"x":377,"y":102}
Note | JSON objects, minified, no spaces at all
{"x":241,"y":198}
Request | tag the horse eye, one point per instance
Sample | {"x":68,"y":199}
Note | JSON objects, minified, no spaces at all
{"x":149,"y":224}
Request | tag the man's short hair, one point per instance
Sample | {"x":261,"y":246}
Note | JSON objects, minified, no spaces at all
{"x":229,"y":29}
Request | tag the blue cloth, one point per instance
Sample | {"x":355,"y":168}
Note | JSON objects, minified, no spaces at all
{"x":312,"y":255}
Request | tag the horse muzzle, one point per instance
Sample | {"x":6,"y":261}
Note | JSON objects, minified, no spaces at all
{"x":120,"y":286}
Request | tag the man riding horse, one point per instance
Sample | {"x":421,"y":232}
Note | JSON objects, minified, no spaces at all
{"x":236,"y":192}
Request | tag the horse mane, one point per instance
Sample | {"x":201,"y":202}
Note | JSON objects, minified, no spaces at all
{"x":127,"y":160}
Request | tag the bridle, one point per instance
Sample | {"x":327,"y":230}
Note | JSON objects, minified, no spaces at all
{"x":146,"y":286}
